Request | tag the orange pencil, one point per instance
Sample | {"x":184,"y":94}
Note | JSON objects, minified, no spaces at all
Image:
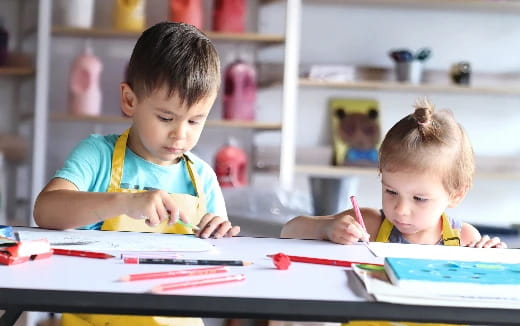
{"x":199,"y":282}
{"x":175,"y":273}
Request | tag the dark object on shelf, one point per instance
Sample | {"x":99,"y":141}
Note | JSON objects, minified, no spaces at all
{"x":4,"y":38}
{"x":461,"y":73}
{"x":496,"y":230}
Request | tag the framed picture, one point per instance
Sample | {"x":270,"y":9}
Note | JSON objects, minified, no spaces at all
{"x":356,"y":131}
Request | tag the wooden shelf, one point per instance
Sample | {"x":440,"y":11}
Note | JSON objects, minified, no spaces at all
{"x":16,"y":71}
{"x":421,"y":88}
{"x":502,"y":6}
{"x":489,"y":170}
{"x":268,"y":39}
{"x":260,"y":126}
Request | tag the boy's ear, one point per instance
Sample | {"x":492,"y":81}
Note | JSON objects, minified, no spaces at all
{"x":128,"y":99}
{"x":458,"y":196}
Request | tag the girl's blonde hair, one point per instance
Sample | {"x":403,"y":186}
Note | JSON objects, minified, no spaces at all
{"x":429,"y":141}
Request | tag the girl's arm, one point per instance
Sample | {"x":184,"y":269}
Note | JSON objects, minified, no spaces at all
{"x":340,"y":228}
{"x":470,"y":237}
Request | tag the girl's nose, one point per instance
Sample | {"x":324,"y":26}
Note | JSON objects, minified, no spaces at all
{"x":401,"y":207}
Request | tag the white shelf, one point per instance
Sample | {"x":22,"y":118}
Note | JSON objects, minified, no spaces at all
{"x":407,"y":87}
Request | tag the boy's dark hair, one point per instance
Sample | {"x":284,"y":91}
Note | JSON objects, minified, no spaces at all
{"x":175,"y":55}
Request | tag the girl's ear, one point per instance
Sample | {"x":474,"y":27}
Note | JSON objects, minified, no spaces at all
{"x":458,"y":196}
{"x":128,"y":100}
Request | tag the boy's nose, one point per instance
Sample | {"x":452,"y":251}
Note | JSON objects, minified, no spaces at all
{"x":178,"y":131}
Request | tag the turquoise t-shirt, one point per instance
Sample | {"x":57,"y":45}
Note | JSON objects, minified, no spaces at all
{"x":89,"y":164}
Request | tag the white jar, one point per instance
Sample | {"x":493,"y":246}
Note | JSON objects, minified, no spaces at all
{"x":77,"y":13}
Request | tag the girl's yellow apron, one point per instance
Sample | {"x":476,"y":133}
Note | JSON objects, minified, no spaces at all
{"x":193,"y":206}
{"x":450,"y":237}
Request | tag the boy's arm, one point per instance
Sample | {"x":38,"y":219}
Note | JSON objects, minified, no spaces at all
{"x":61,"y":206}
{"x":470,"y":237}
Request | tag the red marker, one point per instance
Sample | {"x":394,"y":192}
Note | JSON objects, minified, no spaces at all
{"x":323,"y":261}
{"x":81,"y":253}
{"x":175,"y":273}
{"x":198,"y":282}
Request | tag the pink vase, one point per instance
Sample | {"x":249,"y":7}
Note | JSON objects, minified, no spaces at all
{"x":84,"y":90}
{"x":239,"y":91}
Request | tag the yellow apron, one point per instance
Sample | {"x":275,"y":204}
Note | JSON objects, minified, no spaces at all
{"x":193,"y":206}
{"x":450,"y":237}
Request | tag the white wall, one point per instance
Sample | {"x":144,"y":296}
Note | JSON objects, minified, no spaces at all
{"x":354,"y":35}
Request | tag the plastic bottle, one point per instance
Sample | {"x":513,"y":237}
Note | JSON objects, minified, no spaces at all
{"x":239,"y":91}
{"x":231,"y":165}
{"x":187,"y":11}
{"x":129,"y":15}
{"x":229,"y":16}
{"x":4,"y":41}
{"x":84,"y":90}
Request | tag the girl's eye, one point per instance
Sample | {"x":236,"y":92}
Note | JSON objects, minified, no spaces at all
{"x":391,"y":192}
{"x":420,"y":199}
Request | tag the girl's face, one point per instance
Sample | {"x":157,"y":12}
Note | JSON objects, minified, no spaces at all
{"x":163,"y":127}
{"x":414,"y":203}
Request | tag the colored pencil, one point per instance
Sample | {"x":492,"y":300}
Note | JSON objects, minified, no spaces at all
{"x":81,"y":253}
{"x":137,"y":260}
{"x":199,"y":282}
{"x":323,"y":261}
{"x":188,"y":225}
{"x":174,"y":273}
{"x":358,"y":212}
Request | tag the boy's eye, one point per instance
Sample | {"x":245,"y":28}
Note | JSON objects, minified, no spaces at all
{"x":194,"y":122}
{"x":420,"y":198}
{"x":164,"y":118}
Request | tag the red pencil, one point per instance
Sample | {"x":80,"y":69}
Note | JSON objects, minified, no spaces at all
{"x":175,"y":273}
{"x":358,"y":212}
{"x":323,"y":261}
{"x":81,"y":253}
{"x":199,"y":282}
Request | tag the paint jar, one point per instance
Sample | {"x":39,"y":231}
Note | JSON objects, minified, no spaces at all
{"x":77,"y":13}
{"x":129,"y":15}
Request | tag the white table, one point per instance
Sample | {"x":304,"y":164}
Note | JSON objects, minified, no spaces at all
{"x":304,"y":292}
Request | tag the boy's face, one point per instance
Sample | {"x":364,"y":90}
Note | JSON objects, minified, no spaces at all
{"x":163,"y":128}
{"x":414,"y":202}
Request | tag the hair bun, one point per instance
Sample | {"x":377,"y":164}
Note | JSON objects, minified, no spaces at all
{"x":423,"y":112}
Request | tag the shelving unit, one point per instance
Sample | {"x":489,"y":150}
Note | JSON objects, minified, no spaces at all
{"x":492,"y":168}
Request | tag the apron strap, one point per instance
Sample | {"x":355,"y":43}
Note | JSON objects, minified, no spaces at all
{"x":450,"y":236}
{"x":384,"y":231}
{"x":194,"y":179}
{"x":118,"y":159}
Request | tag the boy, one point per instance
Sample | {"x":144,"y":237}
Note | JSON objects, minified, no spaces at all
{"x":147,"y":178}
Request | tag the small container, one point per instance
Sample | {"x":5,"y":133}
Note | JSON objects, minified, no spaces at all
{"x":409,"y":72}
{"x":229,"y":16}
{"x":129,"y":15}
{"x":77,"y":13}
{"x":187,"y":11}
{"x":239,"y":91}
{"x":231,"y":165}
{"x":4,"y":42}
{"x":84,"y":90}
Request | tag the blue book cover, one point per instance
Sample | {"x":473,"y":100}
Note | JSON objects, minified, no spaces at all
{"x":450,"y":277}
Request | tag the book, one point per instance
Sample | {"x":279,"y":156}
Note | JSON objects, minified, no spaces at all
{"x":378,"y":287}
{"x":455,"y":277}
{"x":356,"y":131}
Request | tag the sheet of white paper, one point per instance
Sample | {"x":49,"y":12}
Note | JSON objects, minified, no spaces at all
{"x":118,"y":241}
{"x":381,"y":249}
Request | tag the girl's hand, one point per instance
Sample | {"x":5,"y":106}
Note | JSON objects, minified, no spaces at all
{"x":154,"y":206}
{"x":344,"y":229}
{"x":486,"y":242}
{"x":216,"y":227}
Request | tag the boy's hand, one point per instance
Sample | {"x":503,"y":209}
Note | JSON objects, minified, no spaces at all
{"x":216,"y":227}
{"x":153,"y":206}
{"x":344,"y":229}
{"x":487,"y":242}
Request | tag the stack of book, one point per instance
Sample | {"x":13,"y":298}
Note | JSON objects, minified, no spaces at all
{"x":16,"y":252}
{"x":443,"y":282}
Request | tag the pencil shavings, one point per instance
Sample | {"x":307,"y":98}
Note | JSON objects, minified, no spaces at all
{"x":281,"y":261}
{"x":25,"y":251}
